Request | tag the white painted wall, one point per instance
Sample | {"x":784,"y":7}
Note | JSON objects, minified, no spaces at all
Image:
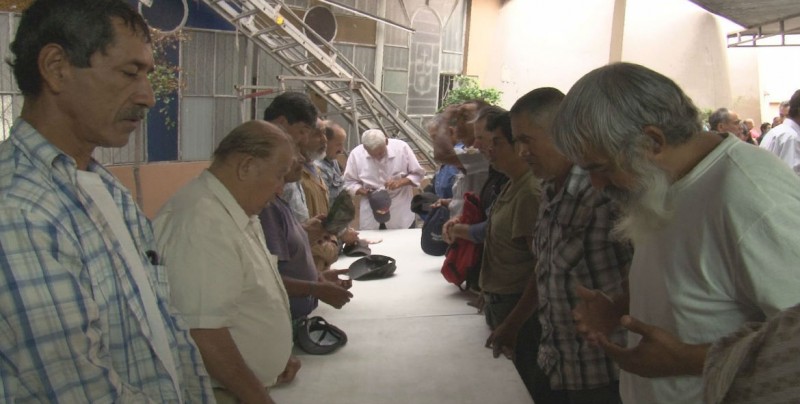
{"x":543,"y":43}
{"x":780,"y":77}
{"x":684,"y":42}
{"x":535,"y":43}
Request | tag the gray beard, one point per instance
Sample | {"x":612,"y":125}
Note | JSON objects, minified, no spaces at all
{"x":314,"y":156}
{"x":646,"y":208}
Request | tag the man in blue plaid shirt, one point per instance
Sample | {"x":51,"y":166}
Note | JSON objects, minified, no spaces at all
{"x":83,"y":302}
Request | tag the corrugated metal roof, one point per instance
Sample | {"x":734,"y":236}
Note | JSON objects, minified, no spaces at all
{"x":766,"y":22}
{"x":752,"y":13}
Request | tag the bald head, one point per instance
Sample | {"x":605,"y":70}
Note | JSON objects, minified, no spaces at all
{"x":251,"y":162}
{"x":255,"y":138}
{"x":337,"y":137}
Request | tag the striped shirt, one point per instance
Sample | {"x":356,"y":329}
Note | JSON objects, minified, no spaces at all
{"x":573,"y":246}
{"x":73,"y":323}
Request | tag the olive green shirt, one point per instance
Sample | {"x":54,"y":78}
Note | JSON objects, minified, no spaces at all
{"x":507,"y":260}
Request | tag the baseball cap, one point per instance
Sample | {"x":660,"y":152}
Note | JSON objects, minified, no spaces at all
{"x":421,"y":203}
{"x":372,"y":267}
{"x":431,"y":241}
{"x":380,"y":202}
{"x":318,"y":337}
{"x":358,"y":249}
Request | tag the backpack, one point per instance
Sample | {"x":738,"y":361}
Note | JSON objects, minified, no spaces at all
{"x":462,"y":263}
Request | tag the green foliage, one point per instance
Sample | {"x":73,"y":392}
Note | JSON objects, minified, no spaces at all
{"x":166,"y":77}
{"x":704,"y":114}
{"x":466,"y":88}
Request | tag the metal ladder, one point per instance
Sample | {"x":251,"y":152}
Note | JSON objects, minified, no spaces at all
{"x":280,"y":32}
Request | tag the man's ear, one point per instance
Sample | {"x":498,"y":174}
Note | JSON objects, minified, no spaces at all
{"x":54,"y":67}
{"x":657,"y":141}
{"x":282,"y":122}
{"x":245,"y":167}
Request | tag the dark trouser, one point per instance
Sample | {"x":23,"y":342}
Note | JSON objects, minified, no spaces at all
{"x":496,"y":310}
{"x":600,"y":395}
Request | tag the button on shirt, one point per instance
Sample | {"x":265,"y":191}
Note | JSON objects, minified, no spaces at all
{"x":74,"y":328}
{"x":573,"y":247}
{"x":221,"y":274}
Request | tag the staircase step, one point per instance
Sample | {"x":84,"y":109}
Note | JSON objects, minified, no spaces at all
{"x":323,"y":65}
{"x":302,"y":62}
{"x":267,"y":30}
{"x":286,"y":46}
{"x":337,"y":90}
{"x":246,"y":14}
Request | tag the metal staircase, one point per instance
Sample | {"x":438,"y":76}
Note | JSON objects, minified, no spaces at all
{"x":280,"y":32}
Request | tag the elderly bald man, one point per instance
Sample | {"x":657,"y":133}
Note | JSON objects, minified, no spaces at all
{"x":223,"y":278}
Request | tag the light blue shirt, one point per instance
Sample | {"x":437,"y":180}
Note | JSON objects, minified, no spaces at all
{"x":73,"y":325}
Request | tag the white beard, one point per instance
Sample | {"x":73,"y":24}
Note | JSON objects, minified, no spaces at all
{"x":646,"y":208}
{"x":314,"y":156}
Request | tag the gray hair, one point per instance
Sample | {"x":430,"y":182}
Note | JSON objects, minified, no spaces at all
{"x":719,"y":116}
{"x":607,"y":109}
{"x":254,"y":138}
{"x":373,"y":138}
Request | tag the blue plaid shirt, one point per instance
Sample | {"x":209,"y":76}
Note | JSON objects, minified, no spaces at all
{"x":73,"y":324}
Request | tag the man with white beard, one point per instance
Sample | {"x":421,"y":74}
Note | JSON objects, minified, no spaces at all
{"x":315,"y":191}
{"x":713,"y":222}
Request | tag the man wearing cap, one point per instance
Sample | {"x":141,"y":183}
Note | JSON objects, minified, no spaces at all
{"x":384,"y":164}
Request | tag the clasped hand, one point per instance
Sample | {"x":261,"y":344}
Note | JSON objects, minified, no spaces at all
{"x":658,"y":353}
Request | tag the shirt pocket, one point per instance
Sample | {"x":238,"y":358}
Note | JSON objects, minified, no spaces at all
{"x":568,"y":246}
{"x":159,"y":280}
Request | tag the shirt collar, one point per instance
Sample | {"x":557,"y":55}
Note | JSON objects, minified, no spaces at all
{"x":226,"y":198}
{"x":48,"y":157}
{"x":511,"y":187}
{"x":576,"y":185}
